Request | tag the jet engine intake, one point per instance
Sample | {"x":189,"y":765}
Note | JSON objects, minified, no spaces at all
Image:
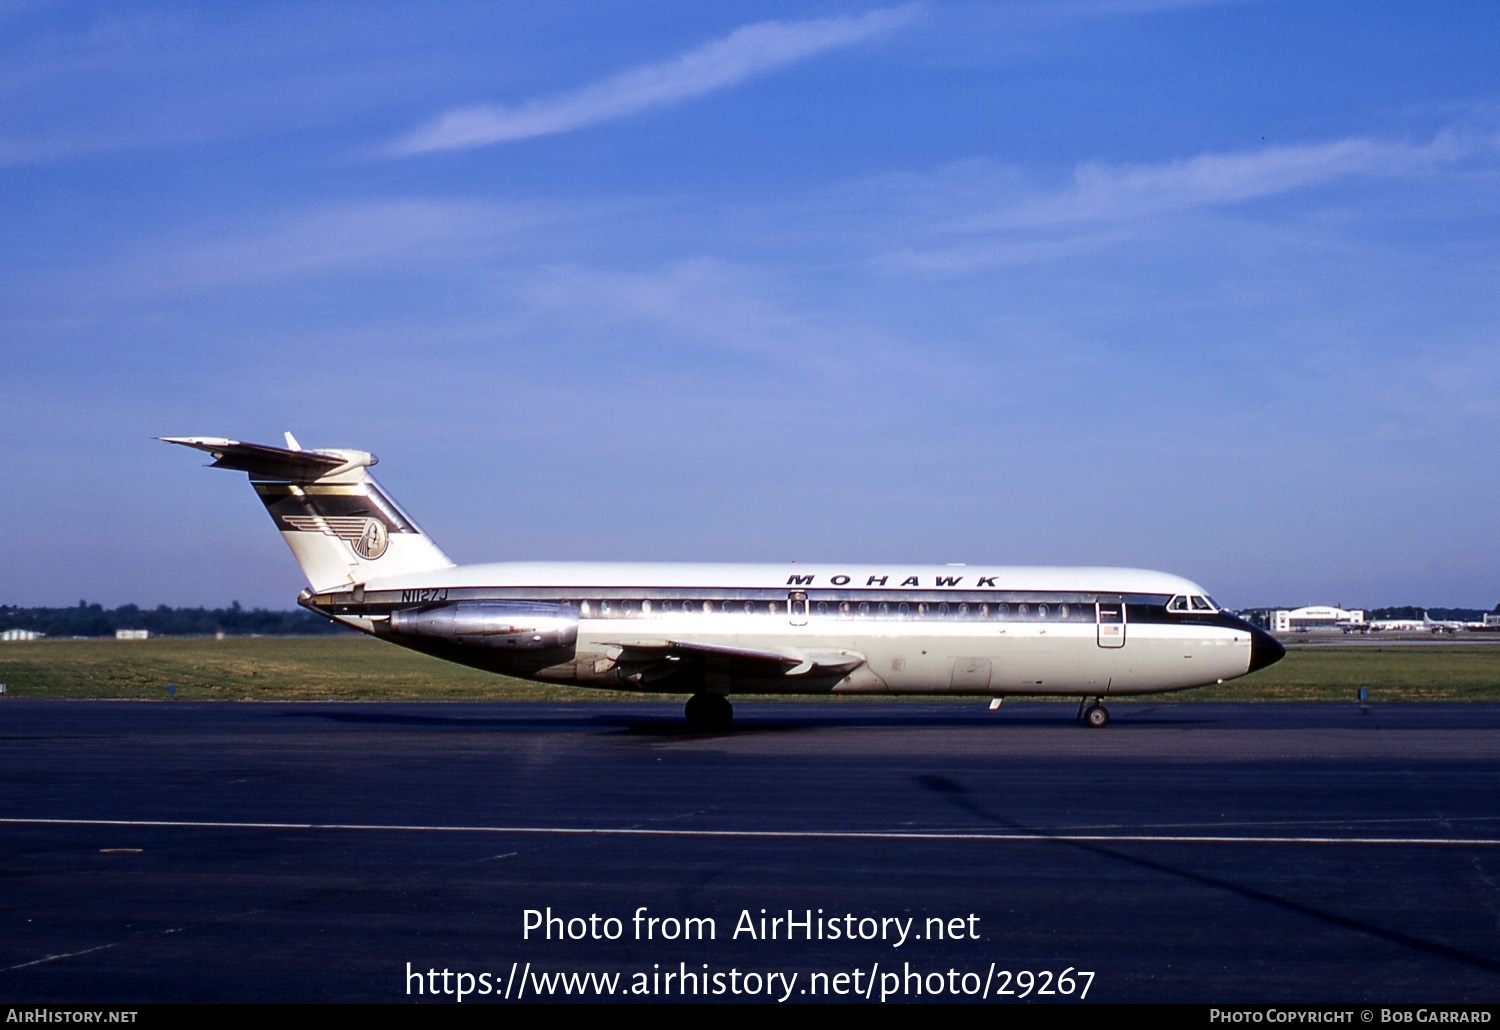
{"x":503,"y":625}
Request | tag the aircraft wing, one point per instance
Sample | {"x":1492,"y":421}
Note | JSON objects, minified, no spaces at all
{"x":654,"y":659}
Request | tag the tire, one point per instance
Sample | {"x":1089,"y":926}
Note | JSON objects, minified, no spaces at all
{"x":709,"y":712}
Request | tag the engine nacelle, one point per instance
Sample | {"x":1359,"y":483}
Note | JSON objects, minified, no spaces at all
{"x":504,"y":625}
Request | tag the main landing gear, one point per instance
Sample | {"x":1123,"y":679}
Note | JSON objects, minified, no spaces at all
{"x":709,"y":712}
{"x":1095,"y":716}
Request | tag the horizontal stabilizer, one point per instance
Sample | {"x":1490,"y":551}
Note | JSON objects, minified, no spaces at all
{"x":264,"y":461}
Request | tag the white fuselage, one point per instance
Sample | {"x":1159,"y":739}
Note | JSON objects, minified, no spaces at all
{"x":912,"y":630}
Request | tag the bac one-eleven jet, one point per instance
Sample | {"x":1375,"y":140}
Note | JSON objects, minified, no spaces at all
{"x":711,"y":630}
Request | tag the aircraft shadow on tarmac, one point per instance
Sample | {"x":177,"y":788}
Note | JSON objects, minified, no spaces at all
{"x":750,"y":719}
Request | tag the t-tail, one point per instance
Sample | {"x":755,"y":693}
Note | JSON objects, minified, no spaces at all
{"x":342,"y":527}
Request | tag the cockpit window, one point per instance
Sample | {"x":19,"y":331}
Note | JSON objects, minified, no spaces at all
{"x":1177,"y":604}
{"x":1200,"y":604}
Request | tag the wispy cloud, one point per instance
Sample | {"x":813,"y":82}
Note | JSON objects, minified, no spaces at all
{"x":700,"y":303}
{"x":745,"y":53}
{"x":1102,"y":191}
{"x":998,"y":217}
{"x":402,"y":233}
{"x":727,"y":311}
{"x":1130,"y":7}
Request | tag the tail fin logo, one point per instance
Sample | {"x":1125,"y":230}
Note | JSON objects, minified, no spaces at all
{"x":366,"y":536}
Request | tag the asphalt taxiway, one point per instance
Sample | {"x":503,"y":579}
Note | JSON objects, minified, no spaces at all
{"x":1190,"y":852}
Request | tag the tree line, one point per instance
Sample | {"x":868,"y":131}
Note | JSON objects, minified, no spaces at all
{"x":94,"y":620}
{"x":1415,"y":612}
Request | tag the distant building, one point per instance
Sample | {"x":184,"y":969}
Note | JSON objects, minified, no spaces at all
{"x":20,"y":634}
{"x":132,"y":634}
{"x":1311,"y":619}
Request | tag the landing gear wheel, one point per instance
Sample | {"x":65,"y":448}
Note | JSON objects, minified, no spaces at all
{"x":1096,"y":716}
{"x":709,"y":712}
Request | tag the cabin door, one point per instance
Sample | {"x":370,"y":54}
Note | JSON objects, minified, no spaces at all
{"x":1109,"y":612}
{"x":796,"y":607}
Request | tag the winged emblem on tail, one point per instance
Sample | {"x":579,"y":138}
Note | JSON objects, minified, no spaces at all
{"x":367,"y":536}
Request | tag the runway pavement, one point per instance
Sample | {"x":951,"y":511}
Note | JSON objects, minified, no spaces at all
{"x":838,"y":851}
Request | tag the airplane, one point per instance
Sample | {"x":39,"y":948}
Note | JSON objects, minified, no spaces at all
{"x":1426,"y":624}
{"x":711,"y":630}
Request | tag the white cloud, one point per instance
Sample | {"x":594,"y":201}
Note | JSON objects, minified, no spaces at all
{"x":1082,"y":8}
{"x":1102,"y":191}
{"x":398,"y":233}
{"x":702,"y":303}
{"x":985,"y":213}
{"x":746,"y":52}
{"x":729,"y":311}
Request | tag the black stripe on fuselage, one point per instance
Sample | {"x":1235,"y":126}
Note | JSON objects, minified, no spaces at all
{"x":826,"y":605}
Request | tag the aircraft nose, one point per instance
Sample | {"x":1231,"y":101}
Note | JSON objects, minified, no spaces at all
{"x":1264,"y":649}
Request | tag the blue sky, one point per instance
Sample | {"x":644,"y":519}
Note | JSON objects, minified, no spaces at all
{"x":1207,"y":287}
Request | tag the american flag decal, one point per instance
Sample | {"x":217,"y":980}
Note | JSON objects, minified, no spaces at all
{"x":367,"y":536}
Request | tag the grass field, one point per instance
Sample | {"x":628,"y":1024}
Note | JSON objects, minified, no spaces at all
{"x":361,"y":669}
{"x":1449,"y":671}
{"x":250,"y":669}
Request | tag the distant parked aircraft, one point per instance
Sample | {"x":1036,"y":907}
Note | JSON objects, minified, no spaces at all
{"x":1424,"y":624}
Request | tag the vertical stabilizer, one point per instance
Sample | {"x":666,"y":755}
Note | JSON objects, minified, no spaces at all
{"x":341,"y":526}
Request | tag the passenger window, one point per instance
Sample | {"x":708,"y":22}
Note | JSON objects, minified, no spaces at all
{"x":864,"y":607}
{"x":822,"y":607}
{"x":904,"y":609}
